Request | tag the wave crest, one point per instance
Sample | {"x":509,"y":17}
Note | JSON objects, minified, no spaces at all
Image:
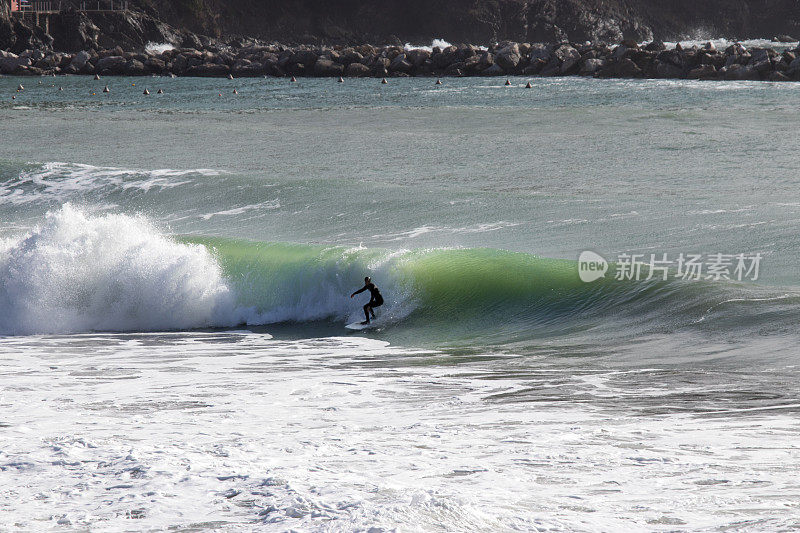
{"x":78,"y":273}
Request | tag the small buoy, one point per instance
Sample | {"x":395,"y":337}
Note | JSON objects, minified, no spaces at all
{"x":13,"y":97}
{"x":60,"y":88}
{"x":529,"y":86}
{"x":20,"y":88}
{"x":146,"y":92}
{"x":235,"y":91}
{"x":159,"y":91}
{"x":384,"y":82}
{"x":293,"y":79}
{"x":508,"y":82}
{"x":340,"y":80}
{"x":438,"y":82}
{"x":230,"y":76}
{"x":97,"y":76}
{"x":94,"y":94}
{"x":106,"y":89}
{"x":220,"y":94}
{"x":133,"y":85}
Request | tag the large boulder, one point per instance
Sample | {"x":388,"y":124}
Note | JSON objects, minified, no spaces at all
{"x":304,"y":57}
{"x":155,"y":64}
{"x":540,"y":51}
{"x":356,"y":70}
{"x":590,"y":66}
{"x":400,"y":64}
{"x":111,"y":65}
{"x":494,"y":70}
{"x":508,"y":57}
{"x":703,"y":72}
{"x":417,"y":56}
{"x":79,"y":60}
{"x":667,"y":70}
{"x":327,"y":68}
{"x":760,"y":61}
{"x":626,"y":68}
{"x":208,"y":70}
{"x":568,"y":58}
{"x":244,"y":68}
{"x":472,"y":65}
{"x":351,"y":56}
{"x":380,"y":68}
{"x":135,"y":68}
{"x":779,"y":76}
{"x":741,"y":72}
{"x":9,"y":63}
{"x":656,"y":46}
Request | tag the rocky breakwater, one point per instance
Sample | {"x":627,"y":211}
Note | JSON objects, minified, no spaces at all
{"x":625,"y":60}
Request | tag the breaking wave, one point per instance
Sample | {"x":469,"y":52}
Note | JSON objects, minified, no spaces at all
{"x":77,"y":272}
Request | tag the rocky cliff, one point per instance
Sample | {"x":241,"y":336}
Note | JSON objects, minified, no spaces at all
{"x":479,"y":21}
{"x":388,"y":21}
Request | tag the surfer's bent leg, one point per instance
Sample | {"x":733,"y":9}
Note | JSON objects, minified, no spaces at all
{"x":366,"y":311}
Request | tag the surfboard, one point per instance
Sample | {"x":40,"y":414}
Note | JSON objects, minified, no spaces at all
{"x":358,"y":326}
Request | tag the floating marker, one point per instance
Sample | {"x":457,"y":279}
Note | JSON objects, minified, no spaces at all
{"x":13,"y":97}
{"x":529,"y":86}
{"x":146,"y":92}
{"x":20,"y":88}
{"x":230,"y":76}
{"x":97,"y":76}
{"x":159,"y":92}
{"x":438,"y":82}
{"x":384,"y":82}
{"x":106,"y":89}
{"x":293,"y":79}
{"x":340,"y":80}
{"x":235,"y":91}
{"x":60,"y":88}
{"x":508,"y":82}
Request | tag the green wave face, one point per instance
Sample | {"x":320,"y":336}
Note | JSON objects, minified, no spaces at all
{"x":462,"y":294}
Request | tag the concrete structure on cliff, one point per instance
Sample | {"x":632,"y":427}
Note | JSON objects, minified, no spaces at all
{"x":39,"y":12}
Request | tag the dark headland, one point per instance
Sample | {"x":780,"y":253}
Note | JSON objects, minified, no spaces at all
{"x":600,"y":38}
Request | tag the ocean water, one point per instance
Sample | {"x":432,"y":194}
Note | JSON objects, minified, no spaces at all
{"x":174,"y":281}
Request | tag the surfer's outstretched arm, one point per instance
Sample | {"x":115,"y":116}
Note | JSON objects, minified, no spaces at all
{"x":359,"y":291}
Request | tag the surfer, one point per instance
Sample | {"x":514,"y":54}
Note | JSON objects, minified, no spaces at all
{"x":376,"y":299}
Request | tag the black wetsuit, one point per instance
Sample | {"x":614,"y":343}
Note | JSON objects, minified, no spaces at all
{"x":376,"y":300}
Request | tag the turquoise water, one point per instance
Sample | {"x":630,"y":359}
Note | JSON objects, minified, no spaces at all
{"x":219,"y":235}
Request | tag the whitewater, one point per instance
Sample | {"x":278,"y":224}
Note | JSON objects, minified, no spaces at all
{"x":175,"y":277}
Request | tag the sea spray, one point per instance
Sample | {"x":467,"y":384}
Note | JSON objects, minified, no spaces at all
{"x":76,"y":273}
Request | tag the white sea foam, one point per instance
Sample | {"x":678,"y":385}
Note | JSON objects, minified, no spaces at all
{"x":57,"y":181}
{"x":158,"y":48}
{"x":78,"y":273}
{"x":436,"y":43}
{"x":422,"y":230}
{"x":240,"y":432}
{"x":269,"y":205}
{"x":721,"y":43}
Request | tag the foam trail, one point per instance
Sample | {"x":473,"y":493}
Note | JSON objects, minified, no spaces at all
{"x":115,"y":272}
